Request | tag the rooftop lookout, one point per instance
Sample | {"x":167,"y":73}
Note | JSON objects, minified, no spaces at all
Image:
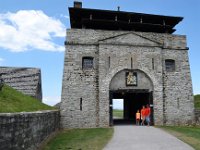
{"x":84,"y":18}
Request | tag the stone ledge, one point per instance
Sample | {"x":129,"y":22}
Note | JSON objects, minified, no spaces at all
{"x":33,"y":112}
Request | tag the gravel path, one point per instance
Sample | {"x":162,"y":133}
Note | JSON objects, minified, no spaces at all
{"x":129,"y":137}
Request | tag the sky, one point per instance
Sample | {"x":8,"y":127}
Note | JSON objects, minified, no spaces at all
{"x":32,"y":34}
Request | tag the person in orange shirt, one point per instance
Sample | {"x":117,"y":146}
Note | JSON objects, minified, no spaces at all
{"x":148,"y":113}
{"x":143,"y":114}
{"x":137,"y":116}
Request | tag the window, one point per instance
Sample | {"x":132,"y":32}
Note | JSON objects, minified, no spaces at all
{"x":169,"y":65}
{"x":81,"y":102}
{"x":109,"y":62}
{"x":87,"y":63}
{"x":153,"y":63}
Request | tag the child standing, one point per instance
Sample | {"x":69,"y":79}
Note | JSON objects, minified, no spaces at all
{"x":138,"y":118}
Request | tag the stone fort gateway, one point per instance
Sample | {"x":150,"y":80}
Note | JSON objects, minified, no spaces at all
{"x":109,"y":55}
{"x":124,"y":55}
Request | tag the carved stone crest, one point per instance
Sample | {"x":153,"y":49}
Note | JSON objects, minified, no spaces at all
{"x":131,"y":78}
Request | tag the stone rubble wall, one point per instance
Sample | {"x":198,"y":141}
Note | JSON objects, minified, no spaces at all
{"x":25,"y":80}
{"x":26,"y":130}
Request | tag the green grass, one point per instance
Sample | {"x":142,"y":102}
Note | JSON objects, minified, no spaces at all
{"x":197,"y":101}
{"x":190,"y":135}
{"x":118,"y":113}
{"x":14,"y":101}
{"x":80,"y":139}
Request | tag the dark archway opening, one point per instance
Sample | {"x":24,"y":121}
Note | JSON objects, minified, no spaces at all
{"x":133,"y":100}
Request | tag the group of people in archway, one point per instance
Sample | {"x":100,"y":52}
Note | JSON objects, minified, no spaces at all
{"x":143,"y":116}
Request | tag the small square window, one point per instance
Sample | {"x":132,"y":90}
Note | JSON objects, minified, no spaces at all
{"x":169,"y":65}
{"x":87,"y":63}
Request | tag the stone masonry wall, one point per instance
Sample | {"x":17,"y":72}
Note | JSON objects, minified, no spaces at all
{"x":114,"y":51}
{"x":179,"y":104}
{"x":89,"y":36}
{"x":79,"y":96}
{"x":25,"y":80}
{"x":25,"y":131}
{"x":120,"y":56}
{"x":119,"y":81}
{"x":197,"y":116}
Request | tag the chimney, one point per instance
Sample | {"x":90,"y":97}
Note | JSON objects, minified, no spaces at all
{"x":118,"y":8}
{"x":77,"y":4}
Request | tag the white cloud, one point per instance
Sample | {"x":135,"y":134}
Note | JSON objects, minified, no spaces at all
{"x":1,"y":60}
{"x":51,"y":100}
{"x":64,"y":16}
{"x":30,"y":29}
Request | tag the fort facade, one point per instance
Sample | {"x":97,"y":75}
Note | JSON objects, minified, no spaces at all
{"x":124,"y":55}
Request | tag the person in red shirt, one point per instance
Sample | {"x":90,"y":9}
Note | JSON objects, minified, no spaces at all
{"x":147,"y":114}
{"x":143,"y":114}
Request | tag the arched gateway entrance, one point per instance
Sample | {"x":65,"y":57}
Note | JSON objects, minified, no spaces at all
{"x":135,"y":89}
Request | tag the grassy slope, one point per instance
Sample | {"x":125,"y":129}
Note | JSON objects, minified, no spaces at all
{"x":197,"y":101}
{"x":80,"y":139}
{"x":14,"y":101}
{"x":190,"y":135}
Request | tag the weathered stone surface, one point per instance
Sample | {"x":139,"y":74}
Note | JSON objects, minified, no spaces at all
{"x":197,"y":116}
{"x":115,"y":52}
{"x":25,"y":131}
{"x":25,"y":80}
